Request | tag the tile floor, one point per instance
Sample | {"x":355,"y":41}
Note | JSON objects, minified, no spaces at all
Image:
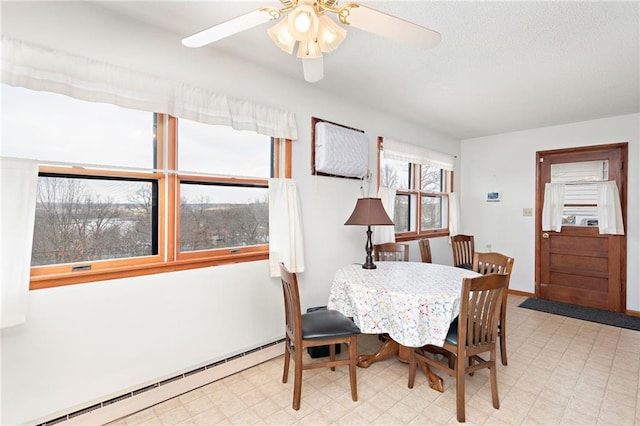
{"x":561,"y":371}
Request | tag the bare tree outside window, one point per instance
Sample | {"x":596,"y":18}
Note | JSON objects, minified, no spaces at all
{"x":420,"y":206}
{"x":75,"y":223}
{"x":209,"y":219}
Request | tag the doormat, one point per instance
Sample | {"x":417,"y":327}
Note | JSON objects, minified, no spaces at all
{"x":580,"y":312}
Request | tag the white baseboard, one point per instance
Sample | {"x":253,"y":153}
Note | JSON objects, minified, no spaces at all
{"x":170,"y":390}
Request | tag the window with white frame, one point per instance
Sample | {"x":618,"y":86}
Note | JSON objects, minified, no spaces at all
{"x":422,"y":180}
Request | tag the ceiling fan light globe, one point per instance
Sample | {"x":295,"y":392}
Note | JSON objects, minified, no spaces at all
{"x":281,"y":36}
{"x":303,"y":23}
{"x":330,"y":34}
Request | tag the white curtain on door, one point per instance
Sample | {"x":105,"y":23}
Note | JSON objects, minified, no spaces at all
{"x":285,"y":227}
{"x":386,"y":233}
{"x":552,"y":206}
{"x":609,"y":209}
{"x":18,"y":186}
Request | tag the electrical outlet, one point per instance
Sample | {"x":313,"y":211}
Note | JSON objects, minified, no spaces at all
{"x":527,"y":211}
{"x":488,"y":246}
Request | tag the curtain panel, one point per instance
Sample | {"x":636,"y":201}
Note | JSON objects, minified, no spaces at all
{"x":552,"y":206}
{"x":285,"y":227}
{"x":608,"y":205}
{"x":386,"y":233}
{"x":40,"y":68}
{"x":454,"y":215}
{"x":18,"y":185}
{"x":609,"y":209}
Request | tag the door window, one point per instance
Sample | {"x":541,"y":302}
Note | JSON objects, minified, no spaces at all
{"x":581,"y":194}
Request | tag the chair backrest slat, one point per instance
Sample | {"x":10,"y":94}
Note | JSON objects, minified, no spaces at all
{"x":292,"y":310}
{"x":463,"y":248}
{"x":425,"y":250}
{"x":394,"y":252}
{"x":481,"y":300}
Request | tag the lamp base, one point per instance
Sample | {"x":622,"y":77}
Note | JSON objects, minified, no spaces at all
{"x":369,"y":265}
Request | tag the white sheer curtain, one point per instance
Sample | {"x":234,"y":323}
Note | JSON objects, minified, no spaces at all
{"x":386,"y":233}
{"x":609,"y":209}
{"x":552,"y":206}
{"x":40,"y":68}
{"x":395,"y":150}
{"x":18,"y":185}
{"x":454,"y":215}
{"x":285,"y":227}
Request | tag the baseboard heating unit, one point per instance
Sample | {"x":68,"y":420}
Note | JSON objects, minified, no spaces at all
{"x":131,"y":402}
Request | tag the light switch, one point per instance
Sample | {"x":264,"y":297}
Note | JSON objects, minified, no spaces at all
{"x":527,"y":211}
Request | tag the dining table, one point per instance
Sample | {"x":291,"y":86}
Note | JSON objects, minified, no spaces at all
{"x":411,"y":303}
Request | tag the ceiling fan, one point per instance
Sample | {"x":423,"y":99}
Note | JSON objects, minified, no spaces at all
{"x":307,"y":23}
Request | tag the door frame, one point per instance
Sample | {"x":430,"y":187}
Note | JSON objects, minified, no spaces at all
{"x":592,"y":150}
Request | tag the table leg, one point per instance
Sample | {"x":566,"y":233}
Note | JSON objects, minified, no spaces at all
{"x":435,"y":381}
{"x":392,"y":348}
{"x":388,"y":349}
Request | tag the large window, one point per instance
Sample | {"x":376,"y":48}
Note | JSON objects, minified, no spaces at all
{"x":124,"y":192}
{"x":422,"y":182}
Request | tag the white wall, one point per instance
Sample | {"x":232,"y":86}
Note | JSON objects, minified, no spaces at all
{"x":85,"y":343}
{"x":507,"y":163}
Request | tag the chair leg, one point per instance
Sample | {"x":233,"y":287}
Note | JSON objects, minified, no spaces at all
{"x":412,"y":367}
{"x":297,"y":380}
{"x":353,"y":359}
{"x":460,"y":388}
{"x":494,"y":381}
{"x":332,"y":355}
{"x":287,"y":357}
{"x":503,"y":343}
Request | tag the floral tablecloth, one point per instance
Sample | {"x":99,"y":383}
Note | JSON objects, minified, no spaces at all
{"x":413,"y":302}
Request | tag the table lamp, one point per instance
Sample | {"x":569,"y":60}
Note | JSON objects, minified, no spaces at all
{"x":369,"y":211}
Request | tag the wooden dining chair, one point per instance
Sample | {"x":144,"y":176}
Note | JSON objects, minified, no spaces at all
{"x":463,"y":249}
{"x":497,"y":263}
{"x":316,"y":328}
{"x":391,"y":252}
{"x":474,"y":332}
{"x":425,"y":250}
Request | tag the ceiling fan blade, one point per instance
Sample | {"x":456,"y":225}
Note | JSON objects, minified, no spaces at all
{"x":313,"y":69}
{"x":227,"y":28}
{"x":377,"y":22}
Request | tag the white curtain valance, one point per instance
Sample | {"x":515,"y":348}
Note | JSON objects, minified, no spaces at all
{"x":40,"y":68}
{"x":401,"y":151}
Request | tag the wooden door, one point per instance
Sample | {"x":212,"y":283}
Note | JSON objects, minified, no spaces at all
{"x":578,"y":265}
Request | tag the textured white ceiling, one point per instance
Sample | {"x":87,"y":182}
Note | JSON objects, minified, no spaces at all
{"x":501,"y":66}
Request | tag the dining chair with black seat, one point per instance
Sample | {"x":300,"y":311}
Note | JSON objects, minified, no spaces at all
{"x":323,"y":327}
{"x":463,"y":248}
{"x":394,"y":252}
{"x":497,"y":263}
{"x":425,"y":250}
{"x":474,"y":332}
